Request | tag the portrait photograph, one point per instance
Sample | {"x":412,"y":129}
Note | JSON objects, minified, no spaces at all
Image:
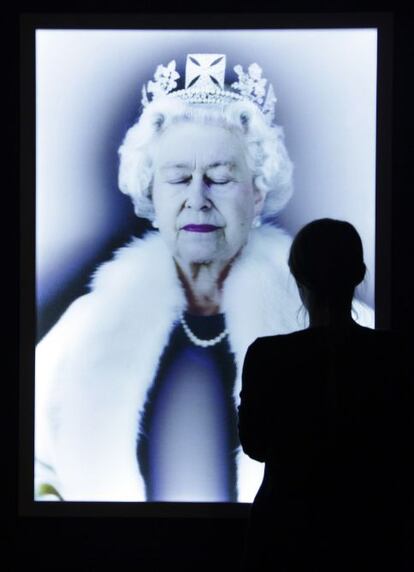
{"x":173,"y":169}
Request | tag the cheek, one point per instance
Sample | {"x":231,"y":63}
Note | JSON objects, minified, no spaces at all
{"x":244,"y":207}
{"x":240,"y":218}
{"x":165,"y":208}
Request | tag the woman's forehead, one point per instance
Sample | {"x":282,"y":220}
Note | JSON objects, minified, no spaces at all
{"x":190,"y":164}
{"x":184,"y":145}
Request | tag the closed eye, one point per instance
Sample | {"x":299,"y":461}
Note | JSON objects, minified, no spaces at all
{"x":180,"y":181}
{"x":210,"y":181}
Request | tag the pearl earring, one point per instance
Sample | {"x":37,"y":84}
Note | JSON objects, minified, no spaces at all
{"x":256,"y":222}
{"x":155,"y":223}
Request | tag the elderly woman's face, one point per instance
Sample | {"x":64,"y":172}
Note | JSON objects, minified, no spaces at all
{"x":203,"y":193}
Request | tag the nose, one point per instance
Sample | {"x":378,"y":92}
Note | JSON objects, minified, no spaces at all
{"x":197,"y":195}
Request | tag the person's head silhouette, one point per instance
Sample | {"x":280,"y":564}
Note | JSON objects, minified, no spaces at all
{"x":326,"y":260}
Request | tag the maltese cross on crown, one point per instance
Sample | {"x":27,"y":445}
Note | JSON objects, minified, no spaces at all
{"x":205,"y":71}
{"x":205,"y":83}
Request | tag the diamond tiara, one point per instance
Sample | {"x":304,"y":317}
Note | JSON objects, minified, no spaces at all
{"x":204,"y":83}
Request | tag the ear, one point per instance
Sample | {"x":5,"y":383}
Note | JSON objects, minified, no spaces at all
{"x":259,"y":199}
{"x":361,"y":274}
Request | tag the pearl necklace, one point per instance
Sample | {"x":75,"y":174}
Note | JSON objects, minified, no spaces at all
{"x":197,"y":341}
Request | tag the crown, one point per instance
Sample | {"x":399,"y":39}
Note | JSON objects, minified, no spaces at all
{"x":204,"y":83}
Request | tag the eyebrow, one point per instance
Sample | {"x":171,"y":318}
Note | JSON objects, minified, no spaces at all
{"x":176,"y":166}
{"x":231,"y":164}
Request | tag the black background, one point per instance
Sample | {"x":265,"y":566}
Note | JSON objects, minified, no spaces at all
{"x":129,"y":543}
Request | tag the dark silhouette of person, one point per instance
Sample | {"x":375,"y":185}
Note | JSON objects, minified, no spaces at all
{"x":328,"y":410}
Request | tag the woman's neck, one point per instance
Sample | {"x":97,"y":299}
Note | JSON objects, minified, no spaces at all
{"x":330,"y":316}
{"x":203,"y":285}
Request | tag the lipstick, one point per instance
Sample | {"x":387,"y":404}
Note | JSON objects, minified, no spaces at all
{"x":200,"y":227}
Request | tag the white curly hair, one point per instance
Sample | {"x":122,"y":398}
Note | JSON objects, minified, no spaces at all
{"x":266,"y":154}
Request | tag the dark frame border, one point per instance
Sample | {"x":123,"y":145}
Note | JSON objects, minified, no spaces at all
{"x":29,"y":23}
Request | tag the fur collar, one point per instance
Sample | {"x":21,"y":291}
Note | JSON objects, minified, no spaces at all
{"x":94,"y":368}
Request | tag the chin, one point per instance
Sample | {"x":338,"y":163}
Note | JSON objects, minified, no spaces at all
{"x":200,"y":254}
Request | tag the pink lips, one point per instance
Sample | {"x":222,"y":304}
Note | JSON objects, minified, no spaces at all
{"x":200,"y":227}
